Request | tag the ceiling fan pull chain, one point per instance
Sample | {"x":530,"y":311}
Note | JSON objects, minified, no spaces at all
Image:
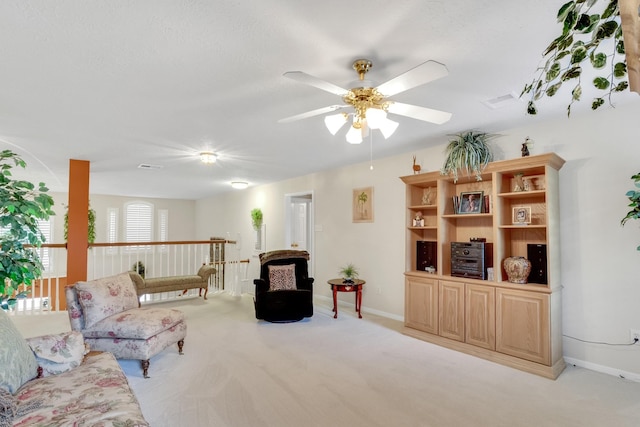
{"x":371,"y":151}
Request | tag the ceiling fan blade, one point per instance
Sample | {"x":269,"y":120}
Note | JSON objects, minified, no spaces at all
{"x":312,"y":113}
{"x":423,"y":73}
{"x":420,"y":113}
{"x":308,"y":79}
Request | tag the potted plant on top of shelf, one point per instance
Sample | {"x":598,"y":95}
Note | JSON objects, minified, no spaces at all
{"x":469,"y":151}
{"x":349,"y":273}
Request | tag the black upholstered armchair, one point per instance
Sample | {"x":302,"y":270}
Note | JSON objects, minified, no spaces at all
{"x":284,"y":291}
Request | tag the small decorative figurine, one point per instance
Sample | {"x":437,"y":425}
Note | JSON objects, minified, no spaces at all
{"x":416,"y":167}
{"x":525,"y":147}
{"x":426,"y":196}
{"x":418,"y":221}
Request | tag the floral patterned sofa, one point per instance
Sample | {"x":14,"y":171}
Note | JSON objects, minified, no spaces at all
{"x":48,"y":381}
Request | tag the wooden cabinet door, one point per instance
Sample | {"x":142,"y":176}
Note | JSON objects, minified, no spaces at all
{"x":421,"y":304}
{"x":480,"y":316}
{"x":451,"y":306}
{"x":522,"y":327}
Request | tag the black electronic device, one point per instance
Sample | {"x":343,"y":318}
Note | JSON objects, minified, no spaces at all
{"x":471,"y":259}
{"x":426,"y":254}
{"x":537,"y":255}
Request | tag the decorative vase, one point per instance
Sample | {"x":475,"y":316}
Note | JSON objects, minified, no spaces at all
{"x":517,"y":268}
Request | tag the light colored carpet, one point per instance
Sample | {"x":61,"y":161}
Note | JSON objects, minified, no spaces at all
{"x":237,"y":372}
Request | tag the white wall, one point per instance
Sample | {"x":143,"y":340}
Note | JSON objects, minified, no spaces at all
{"x":601,"y":299}
{"x":181,"y":214}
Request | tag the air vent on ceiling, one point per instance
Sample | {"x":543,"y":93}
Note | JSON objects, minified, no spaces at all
{"x":148,"y":166}
{"x":501,"y":101}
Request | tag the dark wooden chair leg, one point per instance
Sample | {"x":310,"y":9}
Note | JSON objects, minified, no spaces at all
{"x":180,"y":344}
{"x":145,"y":368}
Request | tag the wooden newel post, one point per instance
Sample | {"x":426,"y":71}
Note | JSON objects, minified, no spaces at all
{"x":78,"y":223}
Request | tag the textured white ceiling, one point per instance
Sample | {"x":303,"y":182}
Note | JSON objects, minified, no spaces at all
{"x":121,"y":83}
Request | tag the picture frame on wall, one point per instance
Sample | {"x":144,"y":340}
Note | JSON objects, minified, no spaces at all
{"x":521,"y":215}
{"x":471,"y":202}
{"x":362,"y":202}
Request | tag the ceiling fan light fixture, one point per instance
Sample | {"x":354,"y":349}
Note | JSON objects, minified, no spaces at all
{"x":354,"y":136}
{"x":375,"y":117}
{"x":239,"y":185}
{"x":335,"y":122}
{"x":208,"y":157}
{"x":388,"y":127}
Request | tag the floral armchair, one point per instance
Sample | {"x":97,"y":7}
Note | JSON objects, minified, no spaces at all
{"x":107,"y":313}
{"x":284,"y":291}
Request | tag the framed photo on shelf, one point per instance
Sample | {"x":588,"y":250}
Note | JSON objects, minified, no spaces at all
{"x":363,"y":204}
{"x":521,"y":215}
{"x":471,"y":202}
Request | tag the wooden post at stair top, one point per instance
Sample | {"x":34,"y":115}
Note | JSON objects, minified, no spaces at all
{"x":78,"y":223}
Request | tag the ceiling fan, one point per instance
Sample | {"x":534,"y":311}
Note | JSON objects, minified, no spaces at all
{"x":369,"y":103}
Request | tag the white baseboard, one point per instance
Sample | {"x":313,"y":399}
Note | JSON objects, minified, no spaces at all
{"x":632,"y":376}
{"x":329,"y":302}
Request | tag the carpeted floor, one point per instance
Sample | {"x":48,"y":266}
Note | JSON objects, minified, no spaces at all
{"x":237,"y":371}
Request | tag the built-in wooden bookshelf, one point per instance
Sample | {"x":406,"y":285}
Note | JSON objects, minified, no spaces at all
{"x":514,"y":324}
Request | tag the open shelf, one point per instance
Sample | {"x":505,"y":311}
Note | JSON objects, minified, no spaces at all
{"x":473,"y":311}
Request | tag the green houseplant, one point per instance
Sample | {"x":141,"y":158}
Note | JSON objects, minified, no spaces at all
{"x":22,"y":205}
{"x":349,"y":273}
{"x":634,"y":198}
{"x":139,"y":268}
{"x":581,"y":43}
{"x":91,"y":232}
{"x":468,"y":151}
{"x":256,"y":218}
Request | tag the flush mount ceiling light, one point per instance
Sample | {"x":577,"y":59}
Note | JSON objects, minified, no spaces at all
{"x":370,"y":103}
{"x":208,"y":157}
{"x":239,"y":185}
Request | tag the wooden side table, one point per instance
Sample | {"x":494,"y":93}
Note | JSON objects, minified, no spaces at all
{"x":339,"y":285}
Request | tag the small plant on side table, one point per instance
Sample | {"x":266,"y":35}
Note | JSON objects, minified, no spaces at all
{"x":349,"y":273}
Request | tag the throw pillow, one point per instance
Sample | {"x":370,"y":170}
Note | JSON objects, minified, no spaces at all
{"x":58,"y":353}
{"x":17,"y":361}
{"x":102,"y":298}
{"x":282,"y":277}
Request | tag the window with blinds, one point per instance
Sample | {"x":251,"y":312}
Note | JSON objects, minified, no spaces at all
{"x":163,"y":228}
{"x":46,"y":254}
{"x":138,"y":224}
{"x":112,"y":229}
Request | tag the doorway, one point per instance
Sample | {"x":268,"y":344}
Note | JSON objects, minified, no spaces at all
{"x":299,"y":223}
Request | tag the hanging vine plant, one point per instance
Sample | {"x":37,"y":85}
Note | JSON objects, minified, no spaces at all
{"x":91,"y":235}
{"x":580,"y":44}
